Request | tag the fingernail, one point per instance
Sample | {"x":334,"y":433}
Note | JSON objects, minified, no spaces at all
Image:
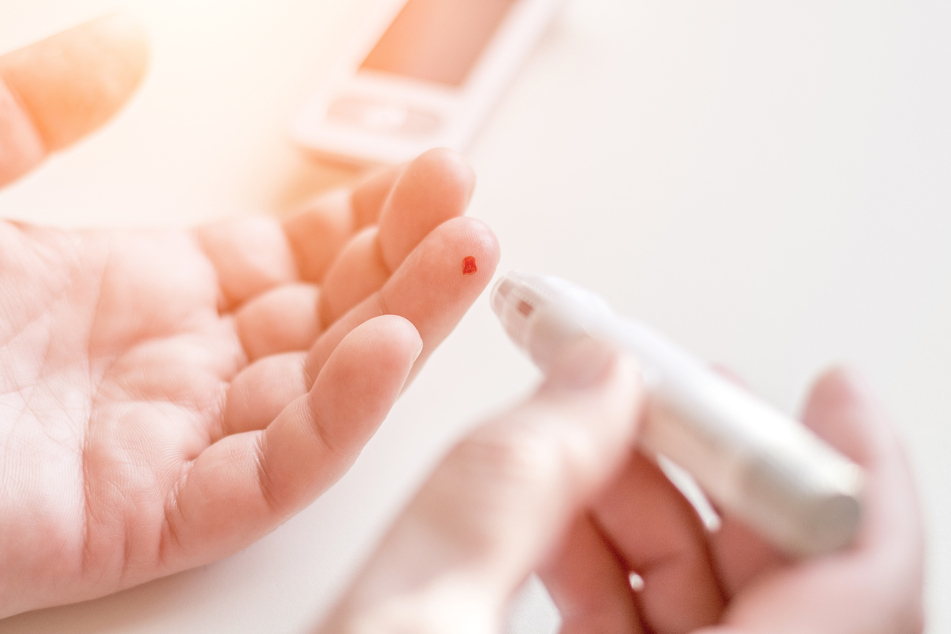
{"x":583,"y":364}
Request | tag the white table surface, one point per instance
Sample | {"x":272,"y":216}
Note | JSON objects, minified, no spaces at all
{"x":768,"y":182}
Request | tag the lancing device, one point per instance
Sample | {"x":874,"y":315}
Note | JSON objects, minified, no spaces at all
{"x":753,"y":461}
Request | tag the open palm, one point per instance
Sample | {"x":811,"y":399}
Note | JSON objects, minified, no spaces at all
{"x":167,"y":397}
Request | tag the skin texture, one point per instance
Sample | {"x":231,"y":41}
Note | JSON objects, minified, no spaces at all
{"x":552,"y":486}
{"x":168,"y":397}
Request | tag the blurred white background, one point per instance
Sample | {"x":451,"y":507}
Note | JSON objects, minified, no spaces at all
{"x":767,"y":182}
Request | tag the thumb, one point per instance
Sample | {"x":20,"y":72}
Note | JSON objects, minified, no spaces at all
{"x":59,"y":89}
{"x":499,"y":502}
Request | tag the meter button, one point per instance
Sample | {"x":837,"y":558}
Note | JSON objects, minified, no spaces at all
{"x":384,"y":118}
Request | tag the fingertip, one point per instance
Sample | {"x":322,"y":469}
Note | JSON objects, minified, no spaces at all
{"x":383,"y":347}
{"x":460,"y":253}
{"x":475,"y":250}
{"x":449,"y":165}
{"x":124,"y":40}
{"x":73,"y":81}
{"x":840,"y":383}
{"x":363,"y":377}
{"x":443,"y":277}
{"x":842,"y":409}
{"x":128,"y":35}
{"x":481,"y":234}
{"x":483,"y":249}
{"x":392,"y":334}
{"x":433,"y":188}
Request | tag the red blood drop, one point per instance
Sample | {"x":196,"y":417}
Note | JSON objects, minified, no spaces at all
{"x":468,"y":265}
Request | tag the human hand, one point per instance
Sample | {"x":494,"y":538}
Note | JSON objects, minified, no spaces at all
{"x":551,"y":486}
{"x":168,"y":397}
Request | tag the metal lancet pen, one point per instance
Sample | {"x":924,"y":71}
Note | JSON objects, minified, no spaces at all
{"x":751,"y":459}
